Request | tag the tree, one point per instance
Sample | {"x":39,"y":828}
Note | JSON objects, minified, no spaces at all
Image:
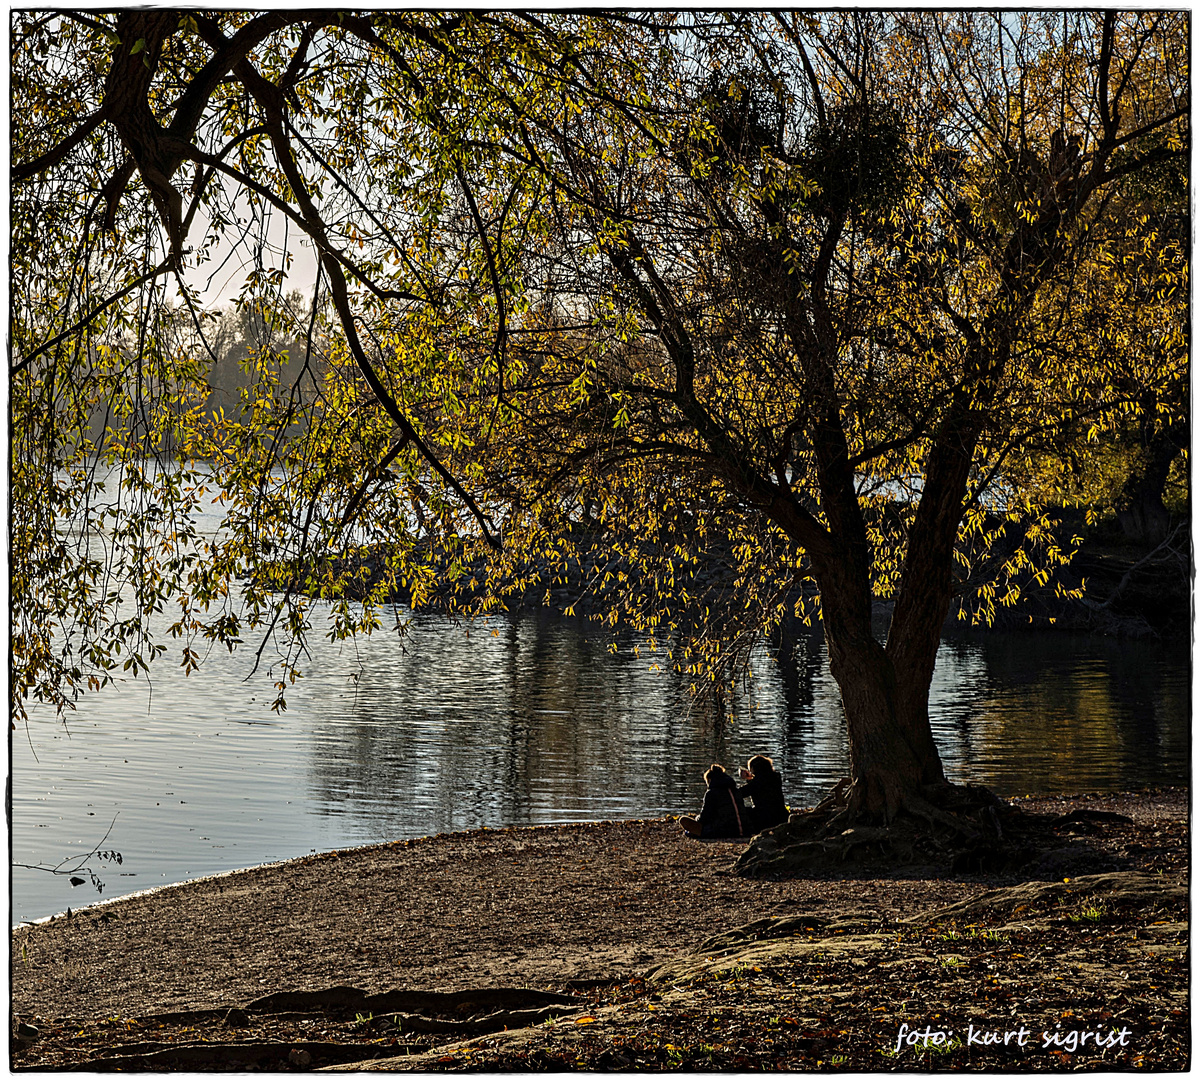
{"x":110,"y":111}
{"x":1123,"y":466}
{"x":783,"y":291}
{"x":827,"y":299}
{"x":1157,"y":432}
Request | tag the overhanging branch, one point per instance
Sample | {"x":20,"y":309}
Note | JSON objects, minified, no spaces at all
{"x":161,"y":268}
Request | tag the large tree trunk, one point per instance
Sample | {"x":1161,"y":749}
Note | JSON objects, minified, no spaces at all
{"x":926,"y":587}
{"x":886,"y":768}
{"x":892,"y":752}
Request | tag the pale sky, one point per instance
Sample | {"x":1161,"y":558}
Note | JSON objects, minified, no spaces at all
{"x":221,"y":277}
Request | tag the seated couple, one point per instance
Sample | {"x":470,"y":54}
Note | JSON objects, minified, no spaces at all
{"x":725,"y":813}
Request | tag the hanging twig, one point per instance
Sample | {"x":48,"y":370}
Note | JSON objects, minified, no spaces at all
{"x":77,"y":862}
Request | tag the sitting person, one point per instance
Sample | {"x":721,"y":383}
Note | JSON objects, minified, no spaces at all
{"x":765,"y":788}
{"x":722,"y":814}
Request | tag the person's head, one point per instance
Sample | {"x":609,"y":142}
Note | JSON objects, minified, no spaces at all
{"x":714,"y":773}
{"x":760,"y":765}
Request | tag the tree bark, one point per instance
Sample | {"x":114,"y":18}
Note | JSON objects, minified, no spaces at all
{"x":885,"y":766}
{"x":892,"y":752}
{"x":926,"y":586}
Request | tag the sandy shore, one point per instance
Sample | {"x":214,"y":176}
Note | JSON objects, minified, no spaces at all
{"x":556,"y":908}
{"x":532,"y":906}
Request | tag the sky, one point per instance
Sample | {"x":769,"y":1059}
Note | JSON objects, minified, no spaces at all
{"x":220,"y":277}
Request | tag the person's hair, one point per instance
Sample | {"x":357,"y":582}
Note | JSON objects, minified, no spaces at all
{"x":713,"y":770}
{"x":760,"y":763}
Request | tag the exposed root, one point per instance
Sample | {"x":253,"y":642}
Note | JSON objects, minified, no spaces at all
{"x":405,"y":1021}
{"x":921,"y":808}
{"x":836,"y":796}
{"x":944,"y":828}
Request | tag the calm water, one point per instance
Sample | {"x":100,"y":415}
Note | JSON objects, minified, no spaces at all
{"x":528,"y":721}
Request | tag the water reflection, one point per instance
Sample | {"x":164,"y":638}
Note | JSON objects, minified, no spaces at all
{"x":536,"y":722}
{"x":526,"y":720}
{"x":531,"y":720}
{"x":1043,"y":712}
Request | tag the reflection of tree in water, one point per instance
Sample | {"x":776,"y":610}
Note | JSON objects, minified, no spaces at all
{"x":1058,"y":712}
{"x":796,"y":648}
{"x":536,"y":723}
{"x":812,"y":750}
{"x":1156,"y":692}
{"x":530,"y":719}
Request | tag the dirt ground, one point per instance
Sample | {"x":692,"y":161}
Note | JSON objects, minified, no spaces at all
{"x":440,"y":943}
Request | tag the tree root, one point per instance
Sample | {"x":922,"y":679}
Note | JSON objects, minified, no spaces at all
{"x":403,"y":1020}
{"x":270,"y":1054}
{"x":347,"y":1000}
{"x":836,"y":797}
{"x":944,"y":828}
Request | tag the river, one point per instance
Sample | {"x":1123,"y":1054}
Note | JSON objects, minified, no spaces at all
{"x":520,"y":721}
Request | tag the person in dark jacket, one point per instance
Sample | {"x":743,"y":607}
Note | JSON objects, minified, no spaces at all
{"x":723,"y":813}
{"x":765,"y":788}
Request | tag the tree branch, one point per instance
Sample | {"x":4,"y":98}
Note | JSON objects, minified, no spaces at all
{"x":162,"y":267}
{"x":29,"y":169}
{"x":270,"y":98}
{"x":358,"y":495}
